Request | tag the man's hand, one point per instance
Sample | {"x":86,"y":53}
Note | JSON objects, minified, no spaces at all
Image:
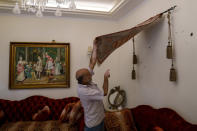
{"x":95,"y":44}
{"x":107,"y":74}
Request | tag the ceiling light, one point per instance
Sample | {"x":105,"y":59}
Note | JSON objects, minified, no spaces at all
{"x":16,"y":9}
{"x":39,"y":6}
{"x":72,"y":5}
{"x":58,"y":7}
{"x":58,"y":12}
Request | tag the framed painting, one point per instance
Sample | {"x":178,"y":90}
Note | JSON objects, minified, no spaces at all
{"x":39,"y":65}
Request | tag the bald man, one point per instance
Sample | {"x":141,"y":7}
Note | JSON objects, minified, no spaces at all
{"x":91,"y":96}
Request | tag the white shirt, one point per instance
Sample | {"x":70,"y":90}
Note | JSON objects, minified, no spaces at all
{"x":91,"y":98}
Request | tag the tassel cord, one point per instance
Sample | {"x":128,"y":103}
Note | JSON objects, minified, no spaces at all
{"x":172,"y":63}
{"x":170,"y":36}
{"x":169,"y":30}
{"x":133,"y":46}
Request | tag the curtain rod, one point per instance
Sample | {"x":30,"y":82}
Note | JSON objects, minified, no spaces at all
{"x":172,"y":8}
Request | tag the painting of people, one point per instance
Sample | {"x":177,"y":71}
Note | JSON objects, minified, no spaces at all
{"x":37,"y":65}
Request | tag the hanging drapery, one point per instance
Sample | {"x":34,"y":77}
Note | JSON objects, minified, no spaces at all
{"x":110,"y":42}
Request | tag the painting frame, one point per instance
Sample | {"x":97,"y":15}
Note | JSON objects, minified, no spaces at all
{"x":42,"y":75}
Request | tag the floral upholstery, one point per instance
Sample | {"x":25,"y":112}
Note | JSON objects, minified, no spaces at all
{"x":37,"y":126}
{"x":119,"y":121}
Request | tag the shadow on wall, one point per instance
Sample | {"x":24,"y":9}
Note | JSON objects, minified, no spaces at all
{"x":149,"y":44}
{"x":152,"y":35}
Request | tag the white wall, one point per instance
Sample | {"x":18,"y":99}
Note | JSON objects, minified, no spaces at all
{"x":152,"y":86}
{"x":79,"y":32}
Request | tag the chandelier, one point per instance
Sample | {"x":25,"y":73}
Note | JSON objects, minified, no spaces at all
{"x":39,"y":6}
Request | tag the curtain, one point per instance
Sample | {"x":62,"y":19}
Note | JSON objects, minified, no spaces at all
{"x":108,"y":43}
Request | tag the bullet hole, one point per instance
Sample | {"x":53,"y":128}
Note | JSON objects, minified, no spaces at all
{"x":191,"y":34}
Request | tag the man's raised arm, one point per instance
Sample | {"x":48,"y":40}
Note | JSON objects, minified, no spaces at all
{"x":93,"y":56}
{"x":105,"y":82}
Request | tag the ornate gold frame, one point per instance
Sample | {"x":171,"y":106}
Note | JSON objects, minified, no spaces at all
{"x":12,"y":65}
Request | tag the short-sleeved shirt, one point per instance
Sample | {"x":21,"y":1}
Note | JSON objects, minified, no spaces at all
{"x":91,"y":98}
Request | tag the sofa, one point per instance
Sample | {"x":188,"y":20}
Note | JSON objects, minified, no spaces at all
{"x":146,"y":118}
{"x":19,"y":115}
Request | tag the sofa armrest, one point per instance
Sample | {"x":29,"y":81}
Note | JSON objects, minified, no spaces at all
{"x":147,"y":117}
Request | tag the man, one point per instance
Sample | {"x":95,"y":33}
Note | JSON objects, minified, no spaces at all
{"x":91,"y":96}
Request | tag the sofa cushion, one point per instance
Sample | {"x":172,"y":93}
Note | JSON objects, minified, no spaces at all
{"x":64,"y":117}
{"x":157,"y":128}
{"x":2,"y":116}
{"x":42,"y":115}
{"x":37,"y":126}
{"x":75,"y":113}
{"x":119,"y":121}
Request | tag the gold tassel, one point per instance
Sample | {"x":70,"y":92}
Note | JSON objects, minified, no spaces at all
{"x":134,"y":55}
{"x":169,"y":52}
{"x":133,"y":74}
{"x":134,"y":59}
{"x":172,"y":74}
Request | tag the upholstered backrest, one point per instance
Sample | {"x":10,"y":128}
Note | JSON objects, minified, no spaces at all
{"x":23,"y":110}
{"x":146,"y":118}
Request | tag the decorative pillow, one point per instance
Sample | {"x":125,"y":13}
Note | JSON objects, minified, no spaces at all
{"x":42,"y":115}
{"x":75,"y":113}
{"x":2,"y":116}
{"x":119,"y":121}
{"x":64,"y":117}
{"x":157,"y":128}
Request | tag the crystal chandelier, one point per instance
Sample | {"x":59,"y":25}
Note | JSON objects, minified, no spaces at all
{"x":39,"y":6}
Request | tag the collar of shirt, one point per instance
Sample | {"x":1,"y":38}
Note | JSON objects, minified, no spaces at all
{"x":91,"y":84}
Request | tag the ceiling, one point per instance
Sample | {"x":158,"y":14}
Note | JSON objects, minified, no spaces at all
{"x":84,"y":8}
